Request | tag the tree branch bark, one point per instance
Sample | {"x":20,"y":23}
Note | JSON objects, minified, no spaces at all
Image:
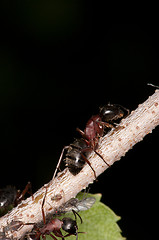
{"x":112,"y":147}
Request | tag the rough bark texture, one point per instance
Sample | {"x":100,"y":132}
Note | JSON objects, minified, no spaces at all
{"x":112,"y":147}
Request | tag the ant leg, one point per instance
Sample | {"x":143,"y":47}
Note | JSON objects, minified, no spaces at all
{"x":70,"y":234}
{"x":127,"y":110}
{"x":102,"y":158}
{"x":43,"y":237}
{"x":26,"y":189}
{"x":51,"y":235}
{"x":105,"y":124}
{"x":58,"y":233}
{"x":59,"y":162}
{"x":77,"y":236}
{"x":82,"y":133}
{"x":42,"y":208}
{"x":88,"y":162}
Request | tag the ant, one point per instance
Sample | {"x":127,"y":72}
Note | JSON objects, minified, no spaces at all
{"x":11,"y":196}
{"x":53,"y":227}
{"x":79,"y":151}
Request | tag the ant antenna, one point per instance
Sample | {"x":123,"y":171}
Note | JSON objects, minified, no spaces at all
{"x":42,"y":207}
{"x":75,"y":213}
{"x":152,"y":85}
{"x":59,"y":162}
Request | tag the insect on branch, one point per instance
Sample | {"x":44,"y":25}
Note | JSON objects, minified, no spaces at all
{"x":111,"y":147}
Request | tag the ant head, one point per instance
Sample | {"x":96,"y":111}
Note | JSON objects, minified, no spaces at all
{"x":70,"y":226}
{"x":7,"y":196}
{"x":110,"y":112}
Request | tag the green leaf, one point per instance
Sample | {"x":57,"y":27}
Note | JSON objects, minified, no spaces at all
{"x":99,"y":222}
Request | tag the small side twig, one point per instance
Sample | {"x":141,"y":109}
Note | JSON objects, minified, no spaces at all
{"x":112,"y":147}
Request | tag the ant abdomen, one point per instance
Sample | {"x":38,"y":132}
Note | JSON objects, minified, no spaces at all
{"x":75,"y":159}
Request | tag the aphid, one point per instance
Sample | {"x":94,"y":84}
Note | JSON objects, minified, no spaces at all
{"x":11,"y":196}
{"x":76,"y":205}
{"x":57,"y":197}
{"x":79,"y":151}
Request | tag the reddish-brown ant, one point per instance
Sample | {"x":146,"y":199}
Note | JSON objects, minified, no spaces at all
{"x":53,"y":226}
{"x":78,"y":152}
{"x":11,"y":196}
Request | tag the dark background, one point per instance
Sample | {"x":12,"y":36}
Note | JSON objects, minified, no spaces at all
{"x":59,"y":62}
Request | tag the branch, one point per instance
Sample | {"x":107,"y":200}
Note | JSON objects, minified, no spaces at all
{"x":112,"y":147}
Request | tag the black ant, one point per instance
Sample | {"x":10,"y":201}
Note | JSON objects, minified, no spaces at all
{"x":11,"y":196}
{"x":78,"y":152}
{"x":53,"y":226}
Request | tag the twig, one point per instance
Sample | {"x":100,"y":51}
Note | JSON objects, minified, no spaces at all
{"x":112,"y":146}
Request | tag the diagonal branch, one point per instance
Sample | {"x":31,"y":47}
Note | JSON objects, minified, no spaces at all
{"x":112,"y":147}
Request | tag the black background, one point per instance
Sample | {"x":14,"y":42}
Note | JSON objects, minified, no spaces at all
{"x":58,"y":63}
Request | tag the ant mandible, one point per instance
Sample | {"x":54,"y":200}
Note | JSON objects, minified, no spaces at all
{"x":79,"y":151}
